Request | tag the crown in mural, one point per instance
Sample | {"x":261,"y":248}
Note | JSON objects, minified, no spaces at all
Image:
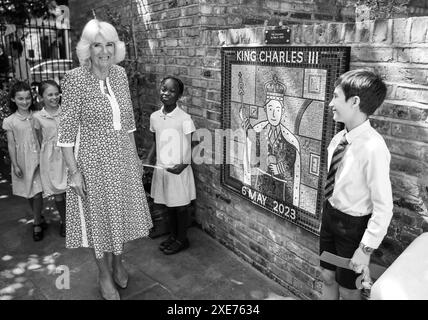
{"x":275,"y":89}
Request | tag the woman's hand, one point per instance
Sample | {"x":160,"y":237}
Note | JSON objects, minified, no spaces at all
{"x":177,"y":169}
{"x":77,"y":183}
{"x":18,"y":172}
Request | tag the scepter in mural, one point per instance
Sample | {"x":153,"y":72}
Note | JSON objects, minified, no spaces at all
{"x":247,"y":145}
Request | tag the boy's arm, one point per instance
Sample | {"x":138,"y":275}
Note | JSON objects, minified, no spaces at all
{"x":379,"y":185}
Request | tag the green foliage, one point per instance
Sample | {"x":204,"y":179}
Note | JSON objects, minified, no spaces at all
{"x":385,"y":8}
{"x":18,"y":11}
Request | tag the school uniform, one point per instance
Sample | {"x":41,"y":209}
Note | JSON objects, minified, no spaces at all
{"x":53,"y":169}
{"x":360,"y":208}
{"x":27,"y":155}
{"x":173,"y":146}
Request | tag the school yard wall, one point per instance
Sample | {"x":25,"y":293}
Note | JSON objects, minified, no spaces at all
{"x":184,"y":38}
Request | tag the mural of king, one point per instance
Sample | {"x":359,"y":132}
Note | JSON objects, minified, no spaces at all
{"x":278,"y":172}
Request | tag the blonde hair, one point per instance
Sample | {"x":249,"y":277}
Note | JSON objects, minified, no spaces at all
{"x":91,"y":30}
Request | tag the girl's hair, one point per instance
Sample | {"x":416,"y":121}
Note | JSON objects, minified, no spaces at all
{"x":17,"y":87}
{"x":45,"y":84}
{"x":179,"y":82}
{"x":91,"y":30}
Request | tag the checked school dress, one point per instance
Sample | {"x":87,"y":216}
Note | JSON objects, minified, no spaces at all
{"x":53,"y":170}
{"x":27,"y":150}
{"x":97,"y":124}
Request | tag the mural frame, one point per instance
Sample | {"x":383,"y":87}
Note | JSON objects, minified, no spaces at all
{"x":330,"y":63}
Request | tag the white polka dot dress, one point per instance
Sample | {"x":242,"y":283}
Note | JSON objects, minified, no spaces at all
{"x":97,"y":124}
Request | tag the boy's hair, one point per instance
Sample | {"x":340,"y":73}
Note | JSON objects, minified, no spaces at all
{"x":17,"y":87}
{"x":179,"y":82}
{"x":365,"y":84}
{"x":45,"y":84}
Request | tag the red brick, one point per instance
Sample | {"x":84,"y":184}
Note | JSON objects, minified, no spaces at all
{"x":408,"y":166}
{"x":419,"y":31}
{"x":370,"y":54}
{"x":409,"y":132}
{"x":335,"y":32}
{"x":412,"y":94}
{"x":412,"y":55}
{"x":350,"y":31}
{"x":381,"y":32}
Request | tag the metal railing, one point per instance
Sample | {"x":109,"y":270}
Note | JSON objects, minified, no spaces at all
{"x":36,"y":51}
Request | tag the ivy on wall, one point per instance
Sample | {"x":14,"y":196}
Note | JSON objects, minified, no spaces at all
{"x":382,"y":9}
{"x":125,"y":32}
{"x":18,"y":11}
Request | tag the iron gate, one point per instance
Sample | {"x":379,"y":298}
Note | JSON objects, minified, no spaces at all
{"x":37,"y":51}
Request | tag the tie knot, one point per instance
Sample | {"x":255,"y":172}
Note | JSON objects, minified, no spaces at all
{"x":343,"y":141}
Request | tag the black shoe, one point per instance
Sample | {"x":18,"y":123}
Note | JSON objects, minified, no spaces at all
{"x":62,"y":229}
{"x":43,"y":224}
{"x":37,"y":234}
{"x":176,"y":246}
{"x":165,"y":244}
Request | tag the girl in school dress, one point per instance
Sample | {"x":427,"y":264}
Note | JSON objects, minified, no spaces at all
{"x":173,"y":183}
{"x":24,"y":150}
{"x":53,"y":169}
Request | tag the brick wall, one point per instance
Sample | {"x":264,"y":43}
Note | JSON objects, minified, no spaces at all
{"x":184,"y":37}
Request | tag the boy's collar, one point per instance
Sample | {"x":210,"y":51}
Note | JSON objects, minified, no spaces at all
{"x":354,"y":133}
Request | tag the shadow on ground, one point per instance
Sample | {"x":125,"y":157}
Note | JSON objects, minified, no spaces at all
{"x":46,"y":270}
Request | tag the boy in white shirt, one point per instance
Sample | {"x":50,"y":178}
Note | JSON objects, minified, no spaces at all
{"x":358,"y":196}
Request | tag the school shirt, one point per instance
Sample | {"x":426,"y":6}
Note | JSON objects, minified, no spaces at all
{"x":362,"y":184}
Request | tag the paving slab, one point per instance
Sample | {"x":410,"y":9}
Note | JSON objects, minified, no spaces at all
{"x":206,"y":270}
{"x":156,"y":292}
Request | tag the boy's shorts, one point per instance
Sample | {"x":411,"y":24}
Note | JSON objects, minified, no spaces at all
{"x":341,"y":235}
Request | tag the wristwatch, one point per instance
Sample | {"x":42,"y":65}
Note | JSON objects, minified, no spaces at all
{"x":366,"y":250}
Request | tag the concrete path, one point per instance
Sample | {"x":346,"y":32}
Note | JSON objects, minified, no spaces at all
{"x":35,"y":270}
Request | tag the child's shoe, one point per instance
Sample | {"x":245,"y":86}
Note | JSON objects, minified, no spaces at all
{"x":176,"y":246}
{"x":165,"y":244}
{"x":37,"y":232}
{"x":43,"y":224}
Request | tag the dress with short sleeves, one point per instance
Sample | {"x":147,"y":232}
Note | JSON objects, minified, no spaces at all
{"x":53,"y":169}
{"x":27,"y":155}
{"x":173,"y":146}
{"x":97,"y":125}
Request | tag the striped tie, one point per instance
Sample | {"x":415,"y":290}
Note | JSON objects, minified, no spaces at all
{"x":335,"y":162}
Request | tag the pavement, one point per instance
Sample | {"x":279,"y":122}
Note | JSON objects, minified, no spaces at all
{"x":46,"y":270}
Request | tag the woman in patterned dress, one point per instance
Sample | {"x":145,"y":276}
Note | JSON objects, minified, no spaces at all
{"x":106,"y":203}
